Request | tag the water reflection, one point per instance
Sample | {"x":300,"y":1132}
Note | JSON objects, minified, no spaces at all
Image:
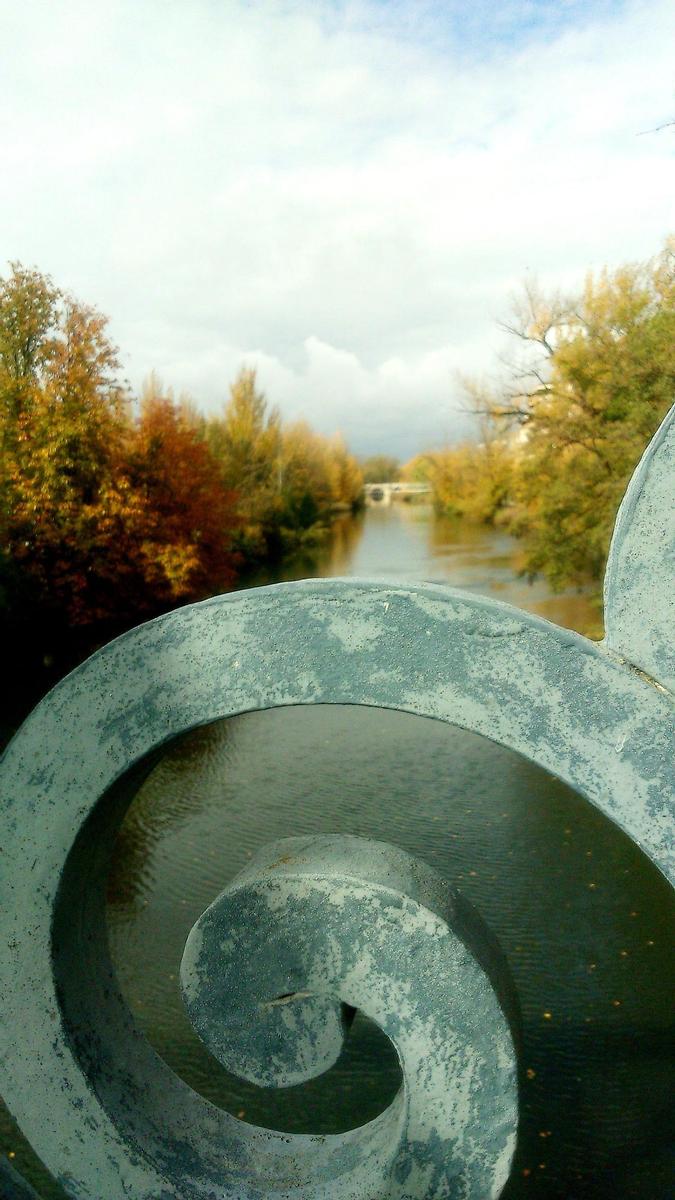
{"x":409,"y":542}
{"x":346,"y":535}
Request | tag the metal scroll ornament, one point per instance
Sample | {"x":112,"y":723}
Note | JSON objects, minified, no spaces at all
{"x":315,"y":926}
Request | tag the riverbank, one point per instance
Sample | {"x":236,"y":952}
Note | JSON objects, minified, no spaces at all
{"x":406,"y":542}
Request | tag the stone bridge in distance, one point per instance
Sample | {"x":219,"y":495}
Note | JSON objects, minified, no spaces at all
{"x":381,"y":494}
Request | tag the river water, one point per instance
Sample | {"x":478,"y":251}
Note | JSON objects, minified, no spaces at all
{"x":409,"y":543}
{"x":583,"y":918}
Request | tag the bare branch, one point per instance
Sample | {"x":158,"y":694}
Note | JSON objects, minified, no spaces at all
{"x":666,"y":125}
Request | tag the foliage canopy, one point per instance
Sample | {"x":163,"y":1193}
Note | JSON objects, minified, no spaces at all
{"x":561,"y":433}
{"x":113,"y":510}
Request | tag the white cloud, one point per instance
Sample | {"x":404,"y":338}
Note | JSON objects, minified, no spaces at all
{"x":342,"y":194}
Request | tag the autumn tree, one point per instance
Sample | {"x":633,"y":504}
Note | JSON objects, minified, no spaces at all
{"x":604,"y":377}
{"x":471,"y":480}
{"x":103,"y":519}
{"x":28,"y":311}
{"x":318,"y":476}
{"x":345,"y":474}
{"x":184,"y":537}
{"x":62,"y":417}
{"x":380,"y":468}
{"x":107,"y":516}
{"x":246,"y":441}
{"x":305,"y":491}
{"x":288,"y":478}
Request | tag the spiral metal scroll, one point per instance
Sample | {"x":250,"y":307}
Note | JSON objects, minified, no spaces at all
{"x":320,"y":926}
{"x":105,"y":1114}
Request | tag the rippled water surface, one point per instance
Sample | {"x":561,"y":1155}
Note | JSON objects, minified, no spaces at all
{"x":582,"y":916}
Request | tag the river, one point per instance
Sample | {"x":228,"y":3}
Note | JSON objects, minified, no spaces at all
{"x":582,"y":916}
{"x":409,"y":543}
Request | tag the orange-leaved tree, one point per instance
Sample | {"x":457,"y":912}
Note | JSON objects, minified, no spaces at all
{"x":190,"y":515}
{"x":103,"y":520}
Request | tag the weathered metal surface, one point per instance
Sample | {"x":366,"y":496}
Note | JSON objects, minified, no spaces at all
{"x":317,"y":923}
{"x":640,"y":578}
{"x":102,"y":1110}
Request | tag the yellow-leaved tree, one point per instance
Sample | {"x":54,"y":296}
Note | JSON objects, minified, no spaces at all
{"x":599,"y":379}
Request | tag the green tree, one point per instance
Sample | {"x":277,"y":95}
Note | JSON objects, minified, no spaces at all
{"x":595,"y":379}
{"x":246,"y":442}
{"x":28,"y":313}
{"x":288,"y":478}
{"x":62,"y":415}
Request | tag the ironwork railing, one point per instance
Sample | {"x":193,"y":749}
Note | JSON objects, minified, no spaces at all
{"x":315,"y":927}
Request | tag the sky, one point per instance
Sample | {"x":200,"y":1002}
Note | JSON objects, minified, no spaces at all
{"x":344,"y":195}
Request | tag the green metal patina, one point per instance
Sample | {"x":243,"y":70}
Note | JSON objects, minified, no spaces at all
{"x":319,"y":923}
{"x":103,"y":1111}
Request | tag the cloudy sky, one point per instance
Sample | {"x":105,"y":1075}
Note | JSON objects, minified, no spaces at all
{"x":343,"y":194}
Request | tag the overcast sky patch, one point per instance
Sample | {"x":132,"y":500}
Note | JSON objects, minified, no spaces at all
{"x":344,"y":195}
